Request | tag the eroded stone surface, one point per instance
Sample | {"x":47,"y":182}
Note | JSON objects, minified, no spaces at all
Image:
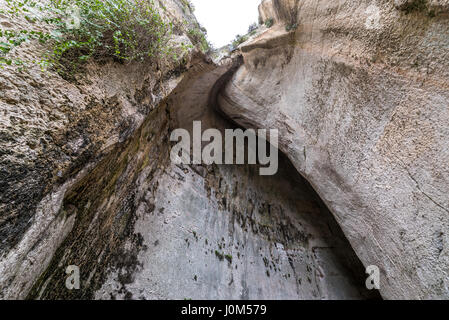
{"x":53,"y":132}
{"x":359,"y":93}
{"x":227,"y":233}
{"x":197,"y":232}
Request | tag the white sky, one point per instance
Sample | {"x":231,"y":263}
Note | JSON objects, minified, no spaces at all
{"x":224,"y":19}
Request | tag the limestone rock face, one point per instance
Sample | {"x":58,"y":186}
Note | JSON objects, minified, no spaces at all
{"x":86,"y":180}
{"x":359,"y":93}
{"x":224,"y":232}
{"x":52,"y":133}
{"x":433,"y":6}
{"x":197,"y":232}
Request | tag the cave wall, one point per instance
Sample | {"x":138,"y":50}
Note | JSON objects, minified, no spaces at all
{"x":54,"y":131}
{"x":359,"y":93}
{"x":224,"y":232}
{"x":149,"y":229}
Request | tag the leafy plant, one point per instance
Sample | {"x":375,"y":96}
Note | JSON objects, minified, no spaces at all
{"x":269,"y":22}
{"x":290,"y":27}
{"x":253,"y":27}
{"x":189,"y":5}
{"x":239,"y":40}
{"x":124,"y":30}
{"x":198,"y":37}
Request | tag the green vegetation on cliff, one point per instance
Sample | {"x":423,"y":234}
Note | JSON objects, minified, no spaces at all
{"x":79,"y":30}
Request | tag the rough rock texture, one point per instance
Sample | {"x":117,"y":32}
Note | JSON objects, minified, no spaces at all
{"x":176,"y":232}
{"x":432,"y":6}
{"x":224,"y":232}
{"x":359,"y":92}
{"x":52,"y":133}
{"x":86,"y":180}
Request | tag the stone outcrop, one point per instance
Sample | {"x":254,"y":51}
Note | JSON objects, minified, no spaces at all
{"x":224,"y":232}
{"x":359,"y":92}
{"x":86,"y":180}
{"x":197,"y":232}
{"x":53,"y":133}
